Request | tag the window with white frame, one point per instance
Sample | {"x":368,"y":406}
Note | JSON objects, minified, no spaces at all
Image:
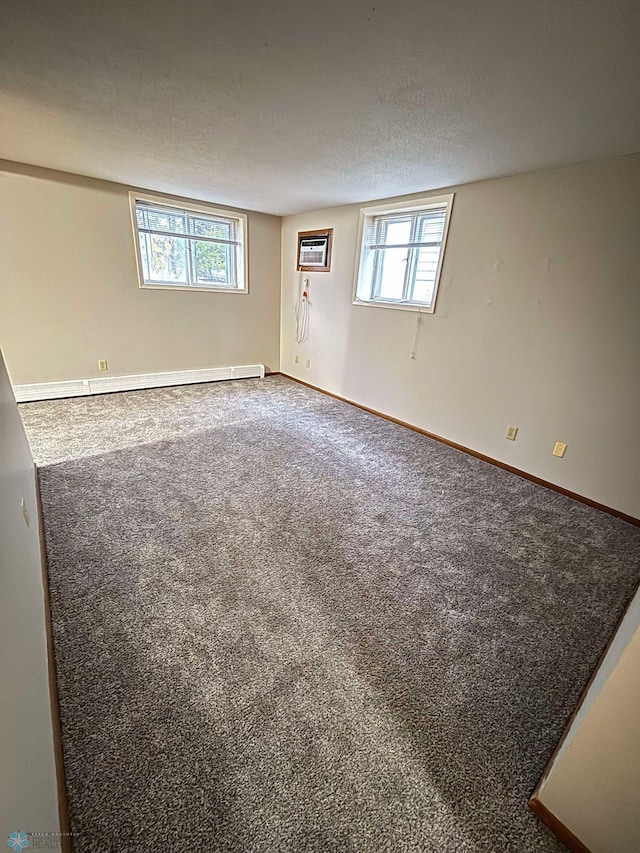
{"x":188,"y":246}
{"x":401,"y":252}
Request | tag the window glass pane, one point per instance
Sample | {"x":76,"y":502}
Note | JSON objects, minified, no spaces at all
{"x":222,"y":229}
{"x":425,"y":275}
{"x":188,"y":247}
{"x":431,"y":227}
{"x":396,"y":231}
{"x":156,"y":219}
{"x":400,"y":254}
{"x":165,"y":258}
{"x":144,"y":257}
{"x":212,"y":264}
{"x":393,"y":263}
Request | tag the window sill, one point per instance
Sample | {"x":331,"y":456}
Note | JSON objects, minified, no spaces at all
{"x":244,"y":290}
{"x":422,"y":309}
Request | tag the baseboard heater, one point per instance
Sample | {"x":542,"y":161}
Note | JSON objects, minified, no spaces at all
{"x":107,"y":384}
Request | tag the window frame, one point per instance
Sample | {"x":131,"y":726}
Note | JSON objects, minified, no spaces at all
{"x":409,"y":207}
{"x":240,"y":254}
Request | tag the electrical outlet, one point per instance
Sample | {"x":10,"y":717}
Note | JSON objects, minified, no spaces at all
{"x":559,"y":449}
{"x":307,"y":363}
{"x":511,"y":433}
{"x":25,"y":512}
{"x":296,"y":360}
{"x":102,"y":364}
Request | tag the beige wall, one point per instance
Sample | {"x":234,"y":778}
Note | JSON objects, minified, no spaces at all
{"x":593,"y":786}
{"x":536,"y":325}
{"x":69,"y":291}
{"x":28,"y":793}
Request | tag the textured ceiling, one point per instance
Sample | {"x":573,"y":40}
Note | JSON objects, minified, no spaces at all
{"x":295,"y":105}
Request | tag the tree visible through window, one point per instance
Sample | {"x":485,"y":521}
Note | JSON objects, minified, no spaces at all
{"x":188,"y":247}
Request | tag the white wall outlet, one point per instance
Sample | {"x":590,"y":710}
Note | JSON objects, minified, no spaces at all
{"x":559,"y":449}
{"x":511,"y":433}
{"x":296,"y":359}
{"x":102,"y":364}
{"x":25,"y":512}
{"x":307,"y":363}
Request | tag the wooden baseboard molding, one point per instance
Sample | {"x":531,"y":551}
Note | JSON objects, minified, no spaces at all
{"x":66,"y":844}
{"x":630,"y":519}
{"x":557,"y":827}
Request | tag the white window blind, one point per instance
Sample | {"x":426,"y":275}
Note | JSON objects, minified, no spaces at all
{"x":188,"y":247}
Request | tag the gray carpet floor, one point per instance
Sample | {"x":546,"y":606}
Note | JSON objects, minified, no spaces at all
{"x":284,"y":624}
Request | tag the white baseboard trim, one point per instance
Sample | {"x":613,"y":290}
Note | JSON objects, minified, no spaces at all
{"x":107,"y":384}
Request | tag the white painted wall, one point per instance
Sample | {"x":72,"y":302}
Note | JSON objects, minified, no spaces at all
{"x":593,"y":786}
{"x":69,"y":289}
{"x":28,"y":793}
{"x":536,"y":325}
